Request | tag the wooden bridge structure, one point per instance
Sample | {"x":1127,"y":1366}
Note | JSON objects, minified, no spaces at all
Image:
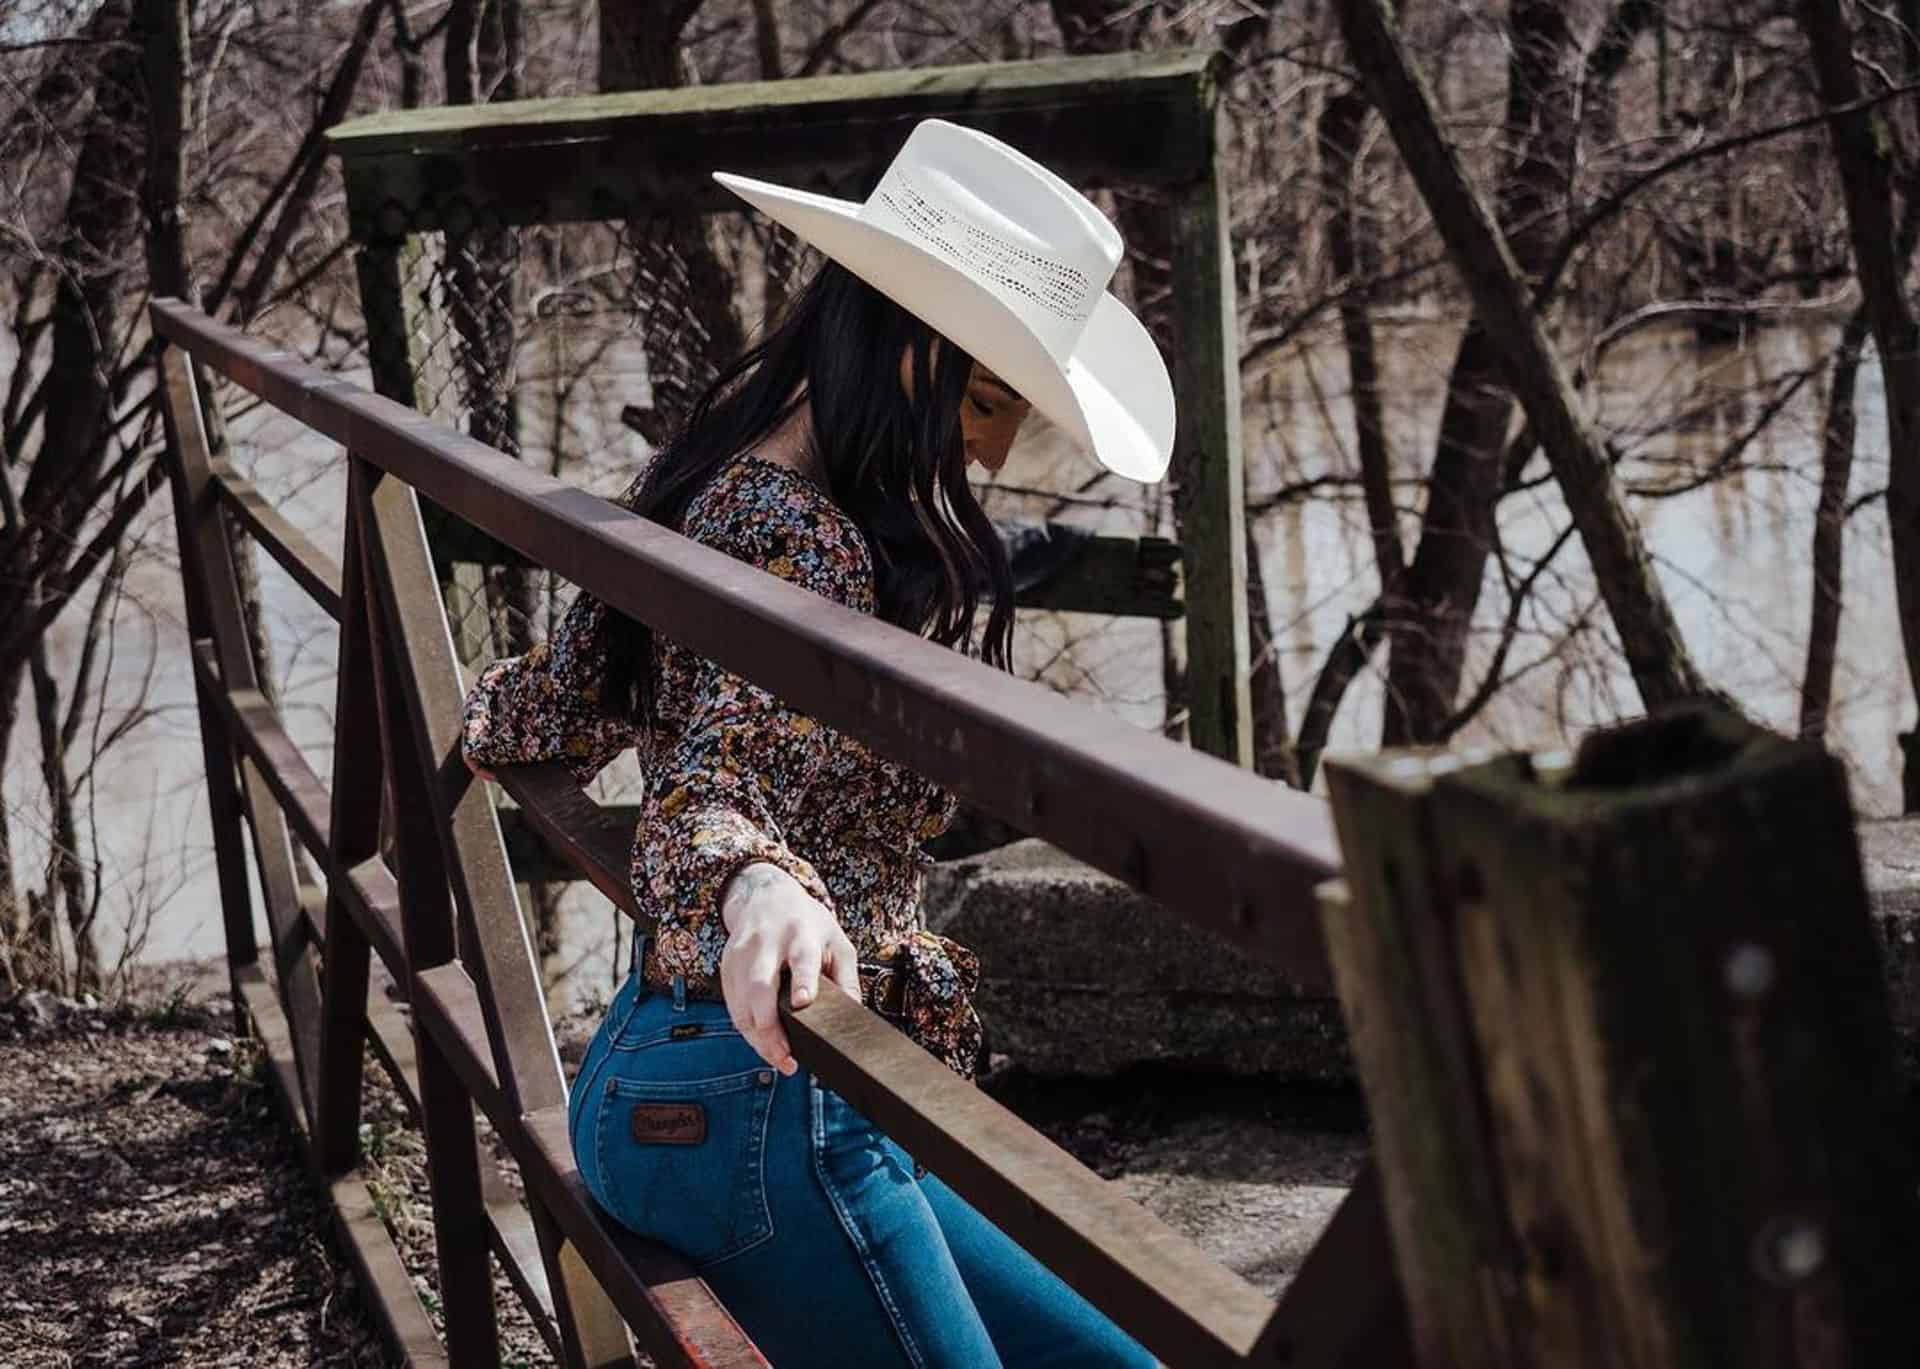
{"x":1618,"y":1019}
{"x":434,"y":194}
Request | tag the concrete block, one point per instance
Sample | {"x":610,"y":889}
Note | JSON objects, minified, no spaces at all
{"x":1890,"y":858}
{"x":1080,"y":975}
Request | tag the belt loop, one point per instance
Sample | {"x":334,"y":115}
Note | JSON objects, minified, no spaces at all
{"x":679,"y":993}
{"x":640,"y":935}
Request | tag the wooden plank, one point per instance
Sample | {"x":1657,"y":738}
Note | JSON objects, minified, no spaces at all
{"x":1344,"y":1309}
{"x":1390,"y":928}
{"x":353,"y":837}
{"x":1124,"y":118}
{"x":446,"y":1111}
{"x":666,"y":1303}
{"x":1128,"y":577}
{"x":373,"y":900}
{"x":312,"y":569}
{"x":390,"y":1036}
{"x":1681,"y":1050}
{"x":1209,"y":474}
{"x":585,"y":839}
{"x":384,"y":1279}
{"x":510,"y":1226}
{"x":497,"y":944}
{"x":1220,"y":845}
{"x":296,"y":788}
{"x":218,"y":752}
{"x":205,"y":552}
{"x":1164,"y":1290}
{"x":828,"y":100}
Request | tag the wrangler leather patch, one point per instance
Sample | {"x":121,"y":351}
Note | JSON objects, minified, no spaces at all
{"x":684,"y":1030}
{"x":678,"y":1124}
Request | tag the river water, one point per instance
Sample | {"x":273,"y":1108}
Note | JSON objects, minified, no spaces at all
{"x":1734,"y":556}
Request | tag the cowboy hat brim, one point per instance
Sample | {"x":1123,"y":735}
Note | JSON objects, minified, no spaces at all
{"x":1112,"y":397}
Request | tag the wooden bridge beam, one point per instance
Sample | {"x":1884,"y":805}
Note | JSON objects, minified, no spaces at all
{"x":207,"y":559}
{"x":423,"y":715}
{"x":1123,"y":118}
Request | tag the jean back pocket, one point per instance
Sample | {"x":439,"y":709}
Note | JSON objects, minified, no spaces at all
{"x":683,"y":1160}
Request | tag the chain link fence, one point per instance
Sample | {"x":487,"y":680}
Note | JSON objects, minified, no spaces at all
{"x":578,"y":348}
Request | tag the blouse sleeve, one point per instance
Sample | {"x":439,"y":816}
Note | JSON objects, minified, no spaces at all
{"x":723,"y":792}
{"x":545,"y":705}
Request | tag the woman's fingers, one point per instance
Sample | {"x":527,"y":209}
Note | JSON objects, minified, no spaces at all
{"x":804,"y":960}
{"x":749,"y":974}
{"x":845,"y":963}
{"x":801,"y":937}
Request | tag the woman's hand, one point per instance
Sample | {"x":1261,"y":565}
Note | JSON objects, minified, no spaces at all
{"x":478,"y":768}
{"x":772,"y":921}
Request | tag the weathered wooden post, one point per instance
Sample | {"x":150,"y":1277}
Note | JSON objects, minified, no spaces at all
{"x":1626,"y":1046}
{"x":1209,"y":469}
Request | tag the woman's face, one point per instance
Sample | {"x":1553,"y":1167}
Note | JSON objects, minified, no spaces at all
{"x":990,"y":416}
{"x":991,"y":412}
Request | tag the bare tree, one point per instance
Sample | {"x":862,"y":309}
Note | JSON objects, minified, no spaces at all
{"x":96,"y":223}
{"x":1862,"y":148}
{"x":1658,"y":658}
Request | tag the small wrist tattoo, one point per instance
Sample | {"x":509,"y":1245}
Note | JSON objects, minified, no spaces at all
{"x":751,"y":880}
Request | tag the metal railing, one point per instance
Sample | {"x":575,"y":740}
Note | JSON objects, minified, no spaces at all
{"x":1226,"y":849}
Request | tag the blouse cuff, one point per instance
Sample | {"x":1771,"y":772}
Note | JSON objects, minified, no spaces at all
{"x":510,"y":718}
{"x":479,"y":738}
{"x":691,"y":932}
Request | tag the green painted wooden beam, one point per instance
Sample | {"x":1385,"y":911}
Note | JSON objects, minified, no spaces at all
{"x":1133,"y":118}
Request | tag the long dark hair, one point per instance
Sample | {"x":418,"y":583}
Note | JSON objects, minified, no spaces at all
{"x":896,"y":465}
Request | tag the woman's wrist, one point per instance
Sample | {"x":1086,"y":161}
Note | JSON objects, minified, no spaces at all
{"x":744,"y":885}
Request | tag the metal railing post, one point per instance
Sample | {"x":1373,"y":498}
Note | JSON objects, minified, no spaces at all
{"x":204,"y":546}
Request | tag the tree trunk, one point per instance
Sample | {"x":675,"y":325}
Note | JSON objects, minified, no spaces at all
{"x":1434,"y":610}
{"x":96,"y":246}
{"x":690,"y":329}
{"x":1349,"y":246}
{"x":1662,"y":668}
{"x":13,"y":913}
{"x":66,"y":875}
{"x":1830,"y":528}
{"x":778,"y":254}
{"x":1347,"y":659}
{"x":1862,"y":146}
{"x":1434,"y":602}
{"x":1272,"y":742}
{"x":166,"y":55}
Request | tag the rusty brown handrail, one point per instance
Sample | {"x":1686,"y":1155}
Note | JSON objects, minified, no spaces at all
{"x":1236,"y":853}
{"x":1228,"y":850}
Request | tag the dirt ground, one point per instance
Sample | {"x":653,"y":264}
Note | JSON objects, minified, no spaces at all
{"x":154,"y":1209}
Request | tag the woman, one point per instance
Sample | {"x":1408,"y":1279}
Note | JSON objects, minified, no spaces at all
{"x":969,"y":288}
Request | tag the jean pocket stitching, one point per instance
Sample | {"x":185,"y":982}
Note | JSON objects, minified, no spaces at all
{"x":757,"y":1185}
{"x":747,"y":1206}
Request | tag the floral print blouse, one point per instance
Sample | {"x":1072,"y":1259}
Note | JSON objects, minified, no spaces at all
{"x":734,"y":776}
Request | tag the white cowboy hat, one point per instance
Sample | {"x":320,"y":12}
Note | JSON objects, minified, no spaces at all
{"x":1011,"y":263}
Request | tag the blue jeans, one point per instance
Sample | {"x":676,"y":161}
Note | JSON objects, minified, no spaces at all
{"x":820,"y":1234}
